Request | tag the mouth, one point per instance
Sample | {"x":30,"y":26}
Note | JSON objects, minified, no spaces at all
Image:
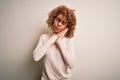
{"x":56,"y":28}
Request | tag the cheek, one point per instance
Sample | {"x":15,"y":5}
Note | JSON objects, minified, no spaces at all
{"x":64,"y":27}
{"x":54,"y":22}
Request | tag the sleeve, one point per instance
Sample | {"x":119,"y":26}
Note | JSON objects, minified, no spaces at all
{"x":42,"y":47}
{"x":67,"y":52}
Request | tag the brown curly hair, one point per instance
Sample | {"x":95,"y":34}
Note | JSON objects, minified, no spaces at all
{"x":70,"y":18}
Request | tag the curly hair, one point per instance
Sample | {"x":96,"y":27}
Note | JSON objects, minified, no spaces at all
{"x":70,"y":18}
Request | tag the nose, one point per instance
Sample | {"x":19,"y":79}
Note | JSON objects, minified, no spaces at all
{"x":60,"y":23}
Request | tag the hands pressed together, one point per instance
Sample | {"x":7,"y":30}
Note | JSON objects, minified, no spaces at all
{"x":62,"y":33}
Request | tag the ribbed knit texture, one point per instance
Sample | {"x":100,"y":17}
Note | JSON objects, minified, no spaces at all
{"x":58,"y":56}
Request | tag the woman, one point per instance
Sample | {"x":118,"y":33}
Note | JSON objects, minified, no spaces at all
{"x":57,"y":49}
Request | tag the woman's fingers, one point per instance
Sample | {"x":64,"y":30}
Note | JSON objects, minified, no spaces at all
{"x":62,"y":33}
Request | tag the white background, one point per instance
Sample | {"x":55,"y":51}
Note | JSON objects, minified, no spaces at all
{"x":97,"y":38}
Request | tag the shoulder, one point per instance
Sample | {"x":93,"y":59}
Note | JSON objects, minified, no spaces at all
{"x":69,"y":41}
{"x":45,"y":36}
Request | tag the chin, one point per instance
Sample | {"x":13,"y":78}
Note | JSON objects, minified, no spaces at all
{"x":56,"y":31}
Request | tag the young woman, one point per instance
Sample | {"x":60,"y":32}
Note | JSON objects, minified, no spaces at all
{"x":57,"y":48}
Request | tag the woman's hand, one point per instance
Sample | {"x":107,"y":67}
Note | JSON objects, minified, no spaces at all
{"x":62,"y":33}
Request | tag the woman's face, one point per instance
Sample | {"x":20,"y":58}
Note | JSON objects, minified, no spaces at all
{"x":59,"y":23}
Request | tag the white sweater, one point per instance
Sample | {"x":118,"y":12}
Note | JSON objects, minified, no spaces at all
{"x":58,"y":56}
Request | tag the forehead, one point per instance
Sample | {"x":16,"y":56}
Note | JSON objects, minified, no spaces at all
{"x":60,"y":16}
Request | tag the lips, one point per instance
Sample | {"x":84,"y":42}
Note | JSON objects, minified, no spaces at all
{"x":56,"y":28}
